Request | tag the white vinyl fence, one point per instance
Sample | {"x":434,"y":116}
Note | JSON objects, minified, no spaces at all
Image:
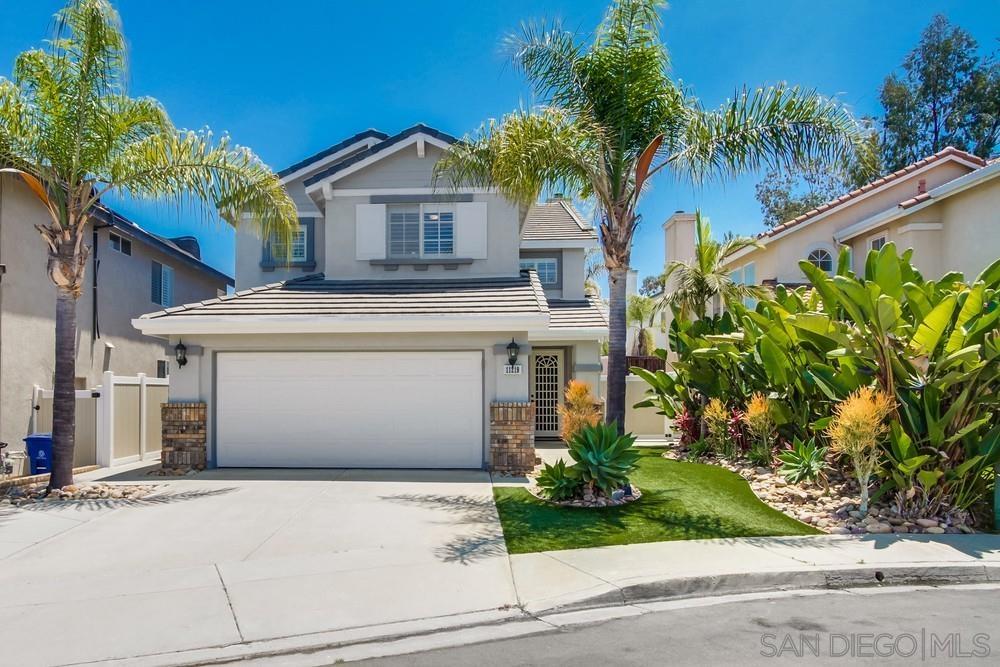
{"x":117,"y":421}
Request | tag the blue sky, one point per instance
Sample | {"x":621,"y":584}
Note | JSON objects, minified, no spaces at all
{"x":290,"y":82}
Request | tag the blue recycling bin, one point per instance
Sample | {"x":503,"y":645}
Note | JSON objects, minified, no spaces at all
{"x":39,"y":452}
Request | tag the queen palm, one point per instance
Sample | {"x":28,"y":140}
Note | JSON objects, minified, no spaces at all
{"x":70,"y":131}
{"x":611,"y":117}
{"x":692,"y":285}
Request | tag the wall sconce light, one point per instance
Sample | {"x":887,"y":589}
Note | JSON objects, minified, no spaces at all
{"x":180,"y":353}
{"x":513,"y":349}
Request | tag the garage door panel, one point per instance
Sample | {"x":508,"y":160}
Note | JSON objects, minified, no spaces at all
{"x":334,"y":409}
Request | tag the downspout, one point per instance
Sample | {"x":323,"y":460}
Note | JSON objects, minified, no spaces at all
{"x":95,"y":324}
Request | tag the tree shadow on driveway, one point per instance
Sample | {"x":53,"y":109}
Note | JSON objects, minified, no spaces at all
{"x":486,"y":541}
{"x":154,"y":499}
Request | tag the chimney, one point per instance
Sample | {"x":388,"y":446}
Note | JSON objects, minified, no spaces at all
{"x":922,"y":186}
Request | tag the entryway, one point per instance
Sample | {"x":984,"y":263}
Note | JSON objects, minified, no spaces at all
{"x":548,"y":378}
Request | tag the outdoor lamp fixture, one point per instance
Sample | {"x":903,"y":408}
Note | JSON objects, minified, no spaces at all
{"x":180,"y":353}
{"x":512,"y":351}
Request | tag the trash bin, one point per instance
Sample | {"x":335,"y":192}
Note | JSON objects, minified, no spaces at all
{"x":39,"y":452}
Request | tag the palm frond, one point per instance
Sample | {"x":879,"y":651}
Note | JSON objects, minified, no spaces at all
{"x":777,"y":127}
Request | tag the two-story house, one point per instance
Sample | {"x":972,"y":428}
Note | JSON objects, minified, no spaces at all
{"x":130,"y":271}
{"x":405,"y":312}
{"x":946,"y":207}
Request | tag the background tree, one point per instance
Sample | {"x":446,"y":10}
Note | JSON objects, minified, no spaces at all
{"x":946,"y":95}
{"x":693,"y":285}
{"x":70,"y":131}
{"x":787,"y":193}
{"x":641,"y":312}
{"x":651,"y":285}
{"x":611,"y":117}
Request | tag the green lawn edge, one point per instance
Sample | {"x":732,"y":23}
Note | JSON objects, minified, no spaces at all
{"x":680,"y":501}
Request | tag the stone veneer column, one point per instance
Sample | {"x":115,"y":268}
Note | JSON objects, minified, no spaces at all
{"x":512,"y":438}
{"x":184,"y":436}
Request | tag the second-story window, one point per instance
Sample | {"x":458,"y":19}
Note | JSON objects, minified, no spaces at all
{"x":162,"y":290}
{"x":421,"y":230}
{"x":120,"y":244}
{"x":547,"y":269}
{"x":299,"y":248}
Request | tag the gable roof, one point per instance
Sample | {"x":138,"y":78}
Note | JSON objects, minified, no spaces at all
{"x":949,"y":152}
{"x":556,"y":220}
{"x":122,"y":224}
{"x":370,"y":133}
{"x":375,"y":149}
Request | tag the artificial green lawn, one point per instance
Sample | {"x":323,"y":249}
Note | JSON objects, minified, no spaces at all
{"x":680,"y":501}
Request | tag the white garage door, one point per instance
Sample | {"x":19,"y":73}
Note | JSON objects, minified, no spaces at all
{"x":349,"y":409}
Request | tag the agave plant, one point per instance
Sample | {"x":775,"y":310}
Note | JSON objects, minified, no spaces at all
{"x":603,"y":458}
{"x":559,"y":482}
{"x":804,"y":462}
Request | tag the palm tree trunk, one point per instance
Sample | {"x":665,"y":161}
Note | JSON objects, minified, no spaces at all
{"x":617,"y":332}
{"x":64,"y":392}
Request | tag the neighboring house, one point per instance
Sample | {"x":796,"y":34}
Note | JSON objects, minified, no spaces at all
{"x":385,"y":340}
{"x":945,"y":207}
{"x":130,"y":271}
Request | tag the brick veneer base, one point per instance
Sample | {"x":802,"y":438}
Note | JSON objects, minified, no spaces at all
{"x":512,"y":438}
{"x":184,"y":436}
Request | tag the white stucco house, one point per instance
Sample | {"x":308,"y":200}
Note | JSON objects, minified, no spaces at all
{"x":386,"y":341}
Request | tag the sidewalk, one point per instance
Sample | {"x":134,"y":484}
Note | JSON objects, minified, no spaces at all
{"x":556,"y":588}
{"x":580,"y":578}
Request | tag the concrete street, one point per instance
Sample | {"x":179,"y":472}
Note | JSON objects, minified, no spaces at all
{"x":897,"y":626}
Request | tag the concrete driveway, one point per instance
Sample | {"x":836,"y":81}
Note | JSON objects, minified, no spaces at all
{"x":235,"y":556}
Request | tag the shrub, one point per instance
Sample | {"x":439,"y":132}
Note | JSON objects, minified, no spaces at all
{"x":578,"y":410}
{"x":857,"y":430}
{"x":760,"y":423}
{"x":559,"y":482}
{"x":603,"y":459}
{"x":804,"y":462}
{"x":688,"y":427}
{"x":716,"y":416}
{"x":736,"y":432}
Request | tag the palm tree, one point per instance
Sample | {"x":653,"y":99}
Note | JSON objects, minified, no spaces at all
{"x":641,"y":311}
{"x":692,"y":285}
{"x":611,"y":118}
{"x":70,"y":131}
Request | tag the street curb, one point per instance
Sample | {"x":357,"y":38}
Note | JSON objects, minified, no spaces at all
{"x":486,"y":626}
{"x":679,"y":588}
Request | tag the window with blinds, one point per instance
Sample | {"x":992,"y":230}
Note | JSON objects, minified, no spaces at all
{"x":162,"y":285}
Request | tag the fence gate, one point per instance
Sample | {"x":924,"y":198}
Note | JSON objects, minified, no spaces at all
{"x":117,"y":421}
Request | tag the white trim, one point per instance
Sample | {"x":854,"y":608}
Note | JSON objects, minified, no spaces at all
{"x":333,"y":157}
{"x":245,"y":324}
{"x":557,"y":244}
{"x":578,"y":333}
{"x":921,"y":227}
{"x":884,"y":235}
{"x":829,"y":249}
{"x":367,"y":192}
{"x":952,"y":187}
{"x":371,"y":159}
{"x":310,"y":214}
{"x":839,"y":236}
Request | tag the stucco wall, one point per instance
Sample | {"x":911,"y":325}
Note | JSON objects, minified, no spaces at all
{"x":27,"y":313}
{"x":779,"y":259}
{"x":196,"y":381}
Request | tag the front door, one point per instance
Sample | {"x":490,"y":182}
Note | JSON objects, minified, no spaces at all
{"x":547,"y":382}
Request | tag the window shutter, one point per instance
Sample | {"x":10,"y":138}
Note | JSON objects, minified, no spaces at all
{"x":168,"y":286}
{"x":309,"y":225}
{"x":156,"y":291}
{"x":470,"y":230}
{"x":369,"y":231}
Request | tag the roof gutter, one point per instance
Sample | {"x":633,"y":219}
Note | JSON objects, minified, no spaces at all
{"x":950,"y":188}
{"x":291,"y":324}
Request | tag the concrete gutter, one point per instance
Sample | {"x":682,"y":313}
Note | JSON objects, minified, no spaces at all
{"x":561,"y":588}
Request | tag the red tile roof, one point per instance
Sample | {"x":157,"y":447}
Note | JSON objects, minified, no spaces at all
{"x":884,"y":180}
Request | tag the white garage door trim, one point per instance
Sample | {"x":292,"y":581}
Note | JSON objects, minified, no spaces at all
{"x":349,"y":409}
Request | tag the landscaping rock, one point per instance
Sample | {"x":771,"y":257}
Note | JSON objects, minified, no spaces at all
{"x":927,"y":523}
{"x":934,"y":530}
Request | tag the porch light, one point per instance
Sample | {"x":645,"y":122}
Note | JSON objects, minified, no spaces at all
{"x":180,"y":353}
{"x":513,"y":349}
